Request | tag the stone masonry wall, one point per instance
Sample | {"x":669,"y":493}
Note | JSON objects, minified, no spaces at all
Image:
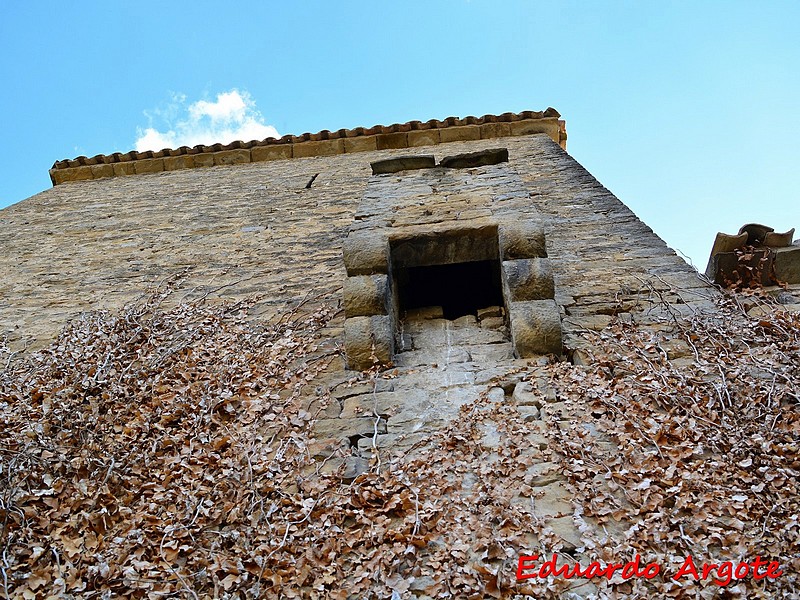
{"x":257,"y":228}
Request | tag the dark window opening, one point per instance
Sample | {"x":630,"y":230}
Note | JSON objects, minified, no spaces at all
{"x":459,"y":288}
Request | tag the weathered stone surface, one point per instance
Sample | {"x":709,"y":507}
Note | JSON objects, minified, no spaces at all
{"x":564,"y":527}
{"x":271,"y":152}
{"x":521,"y":240}
{"x":386,"y":141}
{"x":525,"y":395}
{"x":365,"y":295}
{"x":461,"y":133}
{"x":493,"y":322}
{"x":368,"y":341}
{"x":365,"y":254}
{"x":103,"y":170}
{"x":458,"y":244}
{"x":366,"y":143}
{"x":403,"y":163}
{"x":382,"y":404}
{"x":320,"y":148}
{"x":494,"y":130}
{"x":203,"y":160}
{"x":428,"y":312}
{"x":465,"y":321}
{"x":535,"y":328}
{"x":531,"y":126}
{"x":489,"y":311}
{"x":528,"y":413}
{"x":528,"y":279}
{"x":237,"y":156}
{"x":353,"y":467}
{"x":787,"y":264}
{"x":80,"y":173}
{"x":475,"y":159}
{"x":174,"y":163}
{"x":341,"y":429}
{"x":124,"y":168}
{"x":423,"y":137}
{"x":148,"y":165}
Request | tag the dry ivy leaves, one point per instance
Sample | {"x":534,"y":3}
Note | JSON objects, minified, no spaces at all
{"x":705,"y":461}
{"x":162,"y":452}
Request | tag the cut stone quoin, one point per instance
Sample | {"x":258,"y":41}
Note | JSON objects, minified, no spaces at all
{"x":528,"y":279}
{"x":366,"y":295}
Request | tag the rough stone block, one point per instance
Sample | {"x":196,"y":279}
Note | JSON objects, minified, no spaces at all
{"x":232,"y":157}
{"x":383,"y":404}
{"x":465,"y":321}
{"x":388,"y":141}
{"x":344,"y":428}
{"x":426,"y":313}
{"x":368,"y":341}
{"x":528,"y":279}
{"x":148,"y":165}
{"x":366,"y":295}
{"x":423,"y":137}
{"x":524,"y":394}
{"x":206,"y":159}
{"x":489,"y":311}
{"x":365,"y":253}
{"x":475,"y":159}
{"x":362,"y":143}
{"x":74,"y":174}
{"x":787,"y":264}
{"x":495,"y":130}
{"x":521,"y":240}
{"x":271,"y":152}
{"x":535,"y":328}
{"x":175,"y":163}
{"x":492,"y":322}
{"x":320,"y":148}
{"x":462,"y":133}
{"x":403,"y":163}
{"x":445,"y":247}
{"x":353,"y":467}
{"x":104,"y":170}
{"x":124,"y":168}
{"x":531,"y":126}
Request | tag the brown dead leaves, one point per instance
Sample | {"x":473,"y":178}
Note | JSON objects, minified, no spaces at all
{"x":706,"y":457}
{"x":165,"y":452}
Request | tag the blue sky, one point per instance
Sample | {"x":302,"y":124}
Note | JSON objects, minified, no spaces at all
{"x":688,"y":111}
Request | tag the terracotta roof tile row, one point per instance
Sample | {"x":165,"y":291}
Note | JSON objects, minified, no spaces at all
{"x":550,"y":115}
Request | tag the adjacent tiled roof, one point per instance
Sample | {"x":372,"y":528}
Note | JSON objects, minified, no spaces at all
{"x":360,"y":139}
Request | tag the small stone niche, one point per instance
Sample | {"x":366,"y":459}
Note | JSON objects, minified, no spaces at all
{"x":461,"y":270}
{"x":457,"y":270}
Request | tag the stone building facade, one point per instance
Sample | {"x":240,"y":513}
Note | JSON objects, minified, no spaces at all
{"x":462,"y":251}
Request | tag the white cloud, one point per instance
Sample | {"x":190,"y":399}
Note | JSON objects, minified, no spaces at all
{"x":233,"y":116}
